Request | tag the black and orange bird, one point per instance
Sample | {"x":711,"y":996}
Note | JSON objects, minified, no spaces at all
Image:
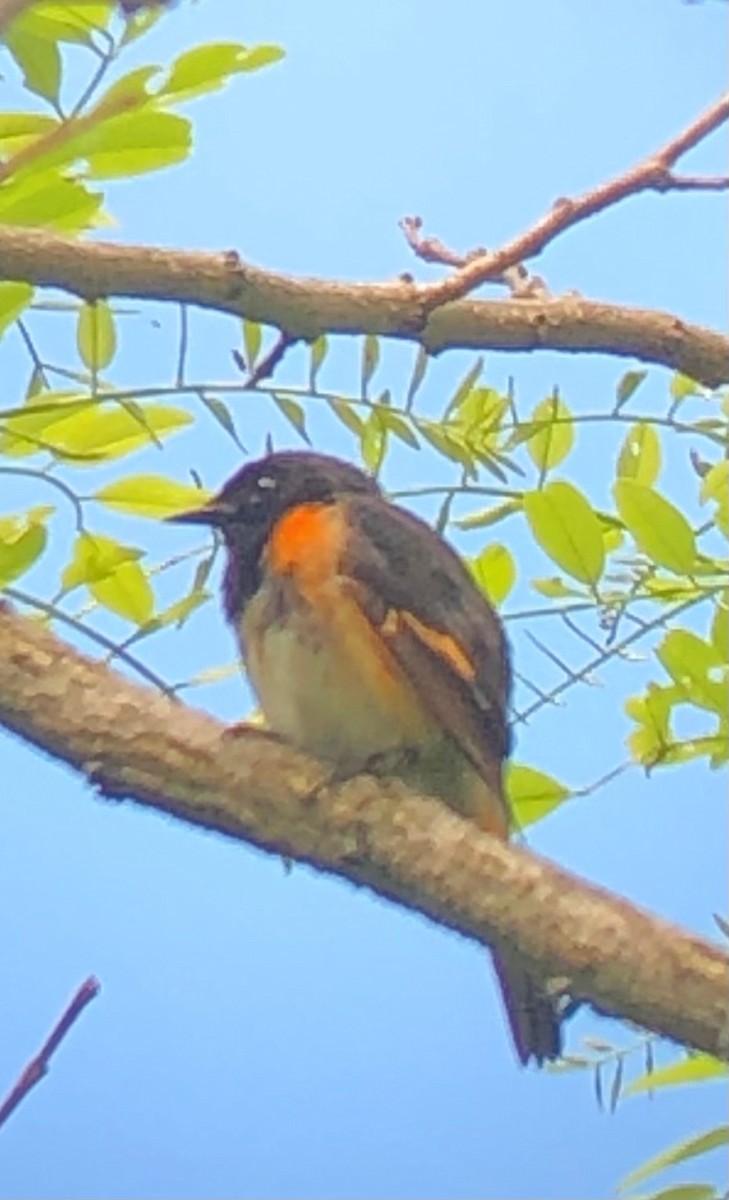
{"x":364,"y":635}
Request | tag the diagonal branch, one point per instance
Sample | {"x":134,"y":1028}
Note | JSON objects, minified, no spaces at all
{"x":306,"y":308}
{"x":130,"y":742}
{"x":38,"y":1066}
{"x":654,"y":173}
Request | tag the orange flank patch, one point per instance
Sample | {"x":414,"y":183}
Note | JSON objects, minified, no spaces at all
{"x":307,"y":541}
{"x":443,"y":644}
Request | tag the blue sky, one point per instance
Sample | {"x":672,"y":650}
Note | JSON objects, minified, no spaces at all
{"x":270,"y":1034}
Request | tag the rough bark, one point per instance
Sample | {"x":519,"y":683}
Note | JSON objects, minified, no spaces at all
{"x":131,"y":742}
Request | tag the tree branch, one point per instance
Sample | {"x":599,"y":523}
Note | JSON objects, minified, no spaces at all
{"x":305,"y":308}
{"x":38,"y":1066}
{"x":130,"y":742}
{"x":654,"y":173}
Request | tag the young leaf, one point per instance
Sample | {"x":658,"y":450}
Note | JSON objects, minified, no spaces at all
{"x":417,"y":377}
{"x":494,"y":570}
{"x":696,"y":668}
{"x":640,"y":454}
{"x":694,"y":1068}
{"x":488,"y":516}
{"x":348,"y":415}
{"x":125,"y":591}
{"x":134,"y":143}
{"x":466,"y":385}
{"x":373,"y":442}
{"x":252,"y":338}
{"x":318,"y":352}
{"x":22,"y":541}
{"x":96,"y":335}
{"x":14,"y":299}
{"x":370,"y":359}
{"x":568,"y":530}
{"x":106,"y":432}
{"x":681,"y":1152}
{"x":151,"y":496}
{"x":532,"y":793}
{"x":554,"y":436}
{"x":294,"y":414}
{"x":629,"y":384}
{"x":38,"y":59}
{"x":658,"y":528}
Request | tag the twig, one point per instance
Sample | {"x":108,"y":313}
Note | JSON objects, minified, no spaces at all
{"x":520,"y":283}
{"x":653,"y":173}
{"x":268,"y":364}
{"x":38,"y":1066}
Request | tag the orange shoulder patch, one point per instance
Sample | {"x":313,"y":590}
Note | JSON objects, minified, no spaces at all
{"x":442,"y":644}
{"x":308,"y":541}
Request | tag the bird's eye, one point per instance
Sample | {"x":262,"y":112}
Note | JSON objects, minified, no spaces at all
{"x":266,"y":483}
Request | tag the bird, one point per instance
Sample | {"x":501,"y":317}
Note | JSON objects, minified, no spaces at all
{"x":366,"y":639}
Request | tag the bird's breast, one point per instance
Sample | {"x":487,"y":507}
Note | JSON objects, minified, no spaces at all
{"x":324,"y":678}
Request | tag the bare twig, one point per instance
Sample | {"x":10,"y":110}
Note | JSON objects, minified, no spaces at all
{"x":520,"y":283}
{"x":377,"y":833}
{"x":653,"y":173}
{"x":38,"y":1066}
{"x":266,"y":367}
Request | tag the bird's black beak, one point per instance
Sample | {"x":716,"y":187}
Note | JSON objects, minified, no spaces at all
{"x":216,"y":513}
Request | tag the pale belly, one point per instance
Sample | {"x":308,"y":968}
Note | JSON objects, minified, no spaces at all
{"x":347,"y":705}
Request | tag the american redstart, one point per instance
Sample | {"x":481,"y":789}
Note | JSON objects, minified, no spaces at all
{"x":364,"y":635}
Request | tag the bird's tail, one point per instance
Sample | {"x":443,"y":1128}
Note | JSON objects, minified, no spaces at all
{"x":534,"y":1014}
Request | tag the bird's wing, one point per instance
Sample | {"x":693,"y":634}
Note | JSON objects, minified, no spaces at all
{"x":419,"y":596}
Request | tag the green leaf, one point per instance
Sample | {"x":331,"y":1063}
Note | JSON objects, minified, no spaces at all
{"x":679,"y":1153}
{"x":370,"y":359}
{"x":209,"y":67}
{"x":22,"y":541}
{"x":720,"y":630}
{"x":650,"y":742}
{"x":127,"y":592}
{"x":39,"y":61}
{"x":105,"y":432}
{"x":494,"y":570}
{"x":95,"y":556}
{"x":397,"y":424}
{"x":20,"y":129}
{"x":695,"y":1068}
{"x":134,"y":143}
{"x":318,"y":352}
{"x":179,"y":612}
{"x":696,"y":668}
{"x":132,"y":86}
{"x":629,"y":384}
{"x":96,"y":335}
{"x":568,"y":530}
{"x":686,"y":1191}
{"x":151,"y":496}
{"x":220,"y":412}
{"x":419,"y":370}
{"x":466,"y":386}
{"x":49,"y":200}
{"x":14,"y":299}
{"x":252,"y":338}
{"x":532,"y":794}
{"x":261,"y":56}
{"x":447,"y":441}
{"x":294,"y":413}
{"x":715,"y":484}
{"x":488,"y":516}
{"x":640,"y":454}
{"x":554,"y":436}
{"x":373,"y":441}
{"x":22,"y":434}
{"x":58,"y":21}
{"x":554,"y":588}
{"x":682,"y":386}
{"x":348,"y":415}
{"x":657,"y":526}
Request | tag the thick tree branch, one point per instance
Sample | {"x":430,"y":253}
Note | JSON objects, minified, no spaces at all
{"x":306,"y":308}
{"x":131,"y":742}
